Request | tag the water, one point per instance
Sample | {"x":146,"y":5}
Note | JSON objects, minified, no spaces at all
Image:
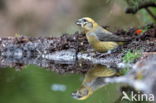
{"x":34,"y":84}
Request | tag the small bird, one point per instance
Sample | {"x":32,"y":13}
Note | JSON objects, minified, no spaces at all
{"x":94,"y":79}
{"x":99,"y":38}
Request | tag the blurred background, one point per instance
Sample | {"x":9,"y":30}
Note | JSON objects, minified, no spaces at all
{"x":53,"y":18}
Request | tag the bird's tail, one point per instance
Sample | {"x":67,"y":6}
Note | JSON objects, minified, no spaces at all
{"x":121,"y":43}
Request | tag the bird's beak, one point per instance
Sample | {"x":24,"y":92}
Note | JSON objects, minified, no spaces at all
{"x":78,"y":22}
{"x":74,"y":95}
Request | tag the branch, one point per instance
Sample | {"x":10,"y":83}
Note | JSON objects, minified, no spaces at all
{"x":134,"y":9}
{"x":150,"y":13}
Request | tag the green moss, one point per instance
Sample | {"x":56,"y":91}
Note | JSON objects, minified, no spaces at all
{"x":130,"y":56}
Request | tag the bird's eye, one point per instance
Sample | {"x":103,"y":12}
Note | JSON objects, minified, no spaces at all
{"x":84,"y":20}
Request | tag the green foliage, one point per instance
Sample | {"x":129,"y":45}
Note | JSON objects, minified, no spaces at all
{"x":132,"y":3}
{"x":145,"y":17}
{"x":136,"y":3}
{"x":145,"y":28}
{"x":130,"y":56}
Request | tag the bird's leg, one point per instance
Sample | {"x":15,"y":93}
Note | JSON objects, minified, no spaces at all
{"x":97,"y":54}
{"x":91,"y":50}
{"x":104,"y":54}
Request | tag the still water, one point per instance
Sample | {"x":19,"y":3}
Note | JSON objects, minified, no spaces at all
{"x":40,"y":85}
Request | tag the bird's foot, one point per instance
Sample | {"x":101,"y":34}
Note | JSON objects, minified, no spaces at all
{"x":90,"y":50}
{"x":99,"y":55}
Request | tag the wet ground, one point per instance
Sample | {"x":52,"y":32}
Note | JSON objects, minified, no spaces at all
{"x":20,"y":51}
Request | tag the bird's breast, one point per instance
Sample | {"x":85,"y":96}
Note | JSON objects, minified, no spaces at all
{"x":100,"y":46}
{"x":92,"y":39}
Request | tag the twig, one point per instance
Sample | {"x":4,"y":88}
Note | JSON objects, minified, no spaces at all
{"x":150,"y":13}
{"x":133,"y":10}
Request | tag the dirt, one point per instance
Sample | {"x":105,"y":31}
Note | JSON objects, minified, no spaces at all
{"x":144,"y":41}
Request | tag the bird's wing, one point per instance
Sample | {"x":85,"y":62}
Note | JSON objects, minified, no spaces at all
{"x":104,"y":35}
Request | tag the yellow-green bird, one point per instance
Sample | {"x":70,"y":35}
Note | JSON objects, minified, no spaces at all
{"x":94,"y":79}
{"x":98,"y":37}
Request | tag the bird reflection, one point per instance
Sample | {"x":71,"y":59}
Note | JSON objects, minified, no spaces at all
{"x":94,"y":79}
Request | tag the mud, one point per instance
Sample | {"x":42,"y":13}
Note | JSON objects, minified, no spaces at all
{"x":145,"y":41}
{"x":20,"y":51}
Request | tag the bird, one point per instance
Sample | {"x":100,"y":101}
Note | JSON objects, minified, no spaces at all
{"x":99,"y":38}
{"x":94,"y":79}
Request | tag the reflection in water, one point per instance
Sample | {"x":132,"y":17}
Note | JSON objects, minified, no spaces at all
{"x":94,"y":79}
{"x":34,"y":82}
{"x":56,"y":66}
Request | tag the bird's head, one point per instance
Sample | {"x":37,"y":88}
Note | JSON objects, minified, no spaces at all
{"x":82,"y":93}
{"x":86,"y":23}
